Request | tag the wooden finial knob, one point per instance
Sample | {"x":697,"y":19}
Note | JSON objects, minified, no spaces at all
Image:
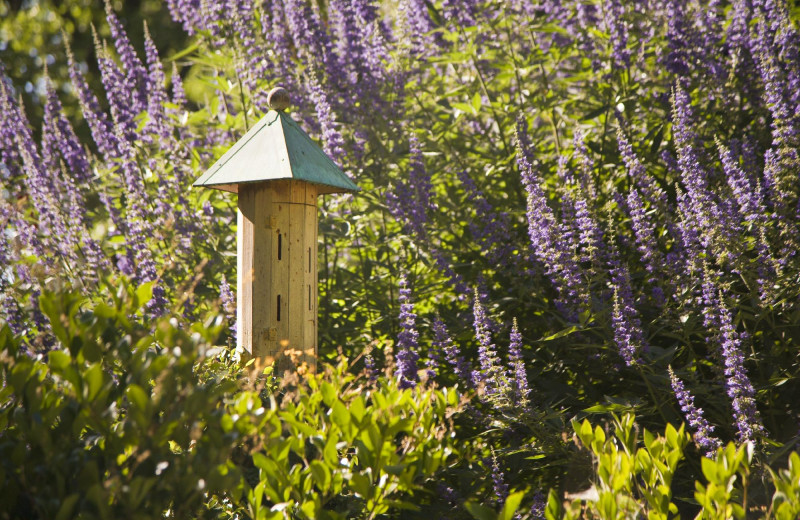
{"x":278,"y":99}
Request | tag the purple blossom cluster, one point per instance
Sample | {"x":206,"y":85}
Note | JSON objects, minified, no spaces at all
{"x":703,"y":431}
{"x":407,"y":339}
{"x":444,"y":343}
{"x":410,"y":200}
{"x":490,"y":372}
{"x":518,"y":369}
{"x":543,"y":230}
{"x":628,"y":332}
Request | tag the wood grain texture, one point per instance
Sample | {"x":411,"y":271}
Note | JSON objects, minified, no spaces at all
{"x":244,"y":268}
{"x":277,"y":263}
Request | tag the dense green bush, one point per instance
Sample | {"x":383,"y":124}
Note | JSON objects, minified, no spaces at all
{"x":134,"y":422}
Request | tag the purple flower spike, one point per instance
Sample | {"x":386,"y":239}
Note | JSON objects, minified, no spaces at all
{"x":332,"y":141}
{"x":407,"y":356}
{"x":410,"y":200}
{"x":545,"y":232}
{"x":628,"y":334}
{"x":156,"y":92}
{"x":498,"y":480}
{"x":99,"y":125}
{"x":703,"y":431}
{"x":518,"y":365}
{"x":718,"y":318}
{"x":491,"y":372}
{"x":618,"y":32}
{"x":135,"y":72}
{"x":445,"y":344}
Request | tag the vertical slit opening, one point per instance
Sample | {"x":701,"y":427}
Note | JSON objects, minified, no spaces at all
{"x":309,"y":297}
{"x":279,"y":307}
{"x":309,"y":259}
{"x":280,"y":245}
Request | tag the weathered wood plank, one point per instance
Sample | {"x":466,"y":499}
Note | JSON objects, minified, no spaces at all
{"x":244,"y":266}
{"x":279,"y":293}
{"x":309,"y":282}
{"x":296,"y":264}
{"x":263,"y":236}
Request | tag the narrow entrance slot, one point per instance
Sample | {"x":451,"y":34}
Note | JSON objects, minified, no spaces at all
{"x":309,"y":297}
{"x":280,"y":245}
{"x":309,"y":259}
{"x":279,"y":307}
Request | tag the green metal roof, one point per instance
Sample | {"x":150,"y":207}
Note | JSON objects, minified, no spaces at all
{"x":275,"y":148}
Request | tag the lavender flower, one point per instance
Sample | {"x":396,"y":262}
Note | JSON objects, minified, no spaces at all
{"x":444,"y":343}
{"x":135,"y":72}
{"x":491,"y":372}
{"x":407,"y":356}
{"x":68,"y":146}
{"x":312,"y":42}
{"x":644,"y":232}
{"x":518,"y":365}
{"x":99,"y":125}
{"x":785,"y":132}
{"x":416,"y":26}
{"x":332,"y":141}
{"x":618,"y":32}
{"x":680,"y":37}
{"x":752,"y":208}
{"x":498,"y":480}
{"x":703,"y":431}
{"x":410,"y":200}
{"x":156,"y":93}
{"x":370,"y":367}
{"x":543,"y":229}
{"x":628,"y":333}
{"x":737,"y":384}
{"x":538,"y":506}
{"x":638,"y":174}
{"x":718,"y":319}
{"x":186,"y":12}
{"x":178,"y":94}
{"x":118,"y":93}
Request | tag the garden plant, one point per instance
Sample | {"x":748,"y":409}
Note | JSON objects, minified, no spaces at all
{"x":569,"y":287}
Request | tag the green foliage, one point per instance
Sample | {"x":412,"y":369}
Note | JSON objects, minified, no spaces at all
{"x":720,"y":498}
{"x":634,"y":476}
{"x":129,"y":421}
{"x":786,"y":501}
{"x":120,"y":422}
{"x":336,"y":449}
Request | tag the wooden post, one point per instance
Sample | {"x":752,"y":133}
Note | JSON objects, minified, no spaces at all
{"x":277,"y":265}
{"x":278,"y":171}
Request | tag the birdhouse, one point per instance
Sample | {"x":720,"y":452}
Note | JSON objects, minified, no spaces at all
{"x":277,"y":172}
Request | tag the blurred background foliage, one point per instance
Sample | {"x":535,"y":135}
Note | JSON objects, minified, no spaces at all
{"x":32,"y":41}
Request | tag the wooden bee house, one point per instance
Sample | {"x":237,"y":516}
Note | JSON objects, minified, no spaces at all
{"x":277,"y":171}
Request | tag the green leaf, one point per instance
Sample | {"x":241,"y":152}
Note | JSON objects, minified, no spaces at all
{"x":142,"y":295}
{"x":137,"y":397}
{"x":67,"y":507}
{"x":59,"y":360}
{"x":554,"y":510}
{"x":480,"y":511}
{"x":709,"y":468}
{"x":562,"y":333}
{"x":321,"y":474}
{"x":94,"y":379}
{"x":511,"y":505}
